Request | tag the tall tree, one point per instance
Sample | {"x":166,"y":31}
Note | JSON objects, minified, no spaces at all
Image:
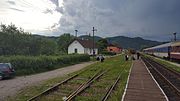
{"x":14,"y":41}
{"x":102,"y":44}
{"x":63,"y":42}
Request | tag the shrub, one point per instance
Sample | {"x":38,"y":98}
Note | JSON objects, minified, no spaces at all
{"x":108,"y":53}
{"x":25,"y":65}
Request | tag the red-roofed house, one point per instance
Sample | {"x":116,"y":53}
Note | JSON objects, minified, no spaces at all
{"x":114,"y":48}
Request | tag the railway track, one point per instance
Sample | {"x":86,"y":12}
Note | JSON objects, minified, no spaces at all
{"x":105,"y":98}
{"x":75,"y":86}
{"x":169,"y":80}
{"x":51,"y":89}
{"x":59,"y":87}
{"x":84,"y":86}
{"x":103,"y":93}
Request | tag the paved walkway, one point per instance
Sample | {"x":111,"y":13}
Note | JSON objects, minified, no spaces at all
{"x":12,"y":86}
{"x":141,"y":86}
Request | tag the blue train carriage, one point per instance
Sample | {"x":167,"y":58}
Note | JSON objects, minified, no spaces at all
{"x":162,"y":51}
{"x":175,"y":51}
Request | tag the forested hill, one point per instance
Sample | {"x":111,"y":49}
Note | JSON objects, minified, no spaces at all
{"x":137,"y":43}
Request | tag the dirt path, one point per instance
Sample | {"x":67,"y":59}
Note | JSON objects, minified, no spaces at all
{"x":12,"y":86}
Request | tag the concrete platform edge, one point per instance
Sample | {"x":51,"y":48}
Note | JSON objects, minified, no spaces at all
{"x":156,"y":82}
{"x":122,"y":99}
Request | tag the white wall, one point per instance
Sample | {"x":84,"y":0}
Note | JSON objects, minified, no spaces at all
{"x":90,"y":51}
{"x":161,"y":54}
{"x":76,"y":45}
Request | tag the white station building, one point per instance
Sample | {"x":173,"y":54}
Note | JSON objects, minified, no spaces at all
{"x":82,"y":46}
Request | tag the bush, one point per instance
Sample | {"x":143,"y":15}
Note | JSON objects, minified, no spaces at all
{"x":25,"y":65}
{"x":108,"y":53}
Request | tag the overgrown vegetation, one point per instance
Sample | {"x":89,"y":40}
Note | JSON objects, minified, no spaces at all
{"x":25,"y":65}
{"x":165,"y":63}
{"x":115,"y":65}
{"x":15,"y":41}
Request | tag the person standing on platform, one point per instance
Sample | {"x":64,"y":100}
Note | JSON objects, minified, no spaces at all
{"x":126,"y":57}
{"x":138,"y":55}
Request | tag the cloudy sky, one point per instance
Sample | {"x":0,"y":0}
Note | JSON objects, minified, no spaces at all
{"x":150,"y":19}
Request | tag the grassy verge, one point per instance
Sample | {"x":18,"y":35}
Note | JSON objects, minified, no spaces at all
{"x":165,"y":63}
{"x":26,"y":65}
{"x":115,"y":66}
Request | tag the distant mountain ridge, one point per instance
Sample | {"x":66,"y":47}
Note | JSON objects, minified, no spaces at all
{"x":136,"y":43}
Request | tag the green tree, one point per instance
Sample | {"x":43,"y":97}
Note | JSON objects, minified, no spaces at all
{"x":14,"y":41}
{"x":102,"y":44}
{"x":63,"y":42}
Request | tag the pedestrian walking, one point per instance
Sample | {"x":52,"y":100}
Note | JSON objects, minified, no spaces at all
{"x":138,"y":55}
{"x":126,"y":57}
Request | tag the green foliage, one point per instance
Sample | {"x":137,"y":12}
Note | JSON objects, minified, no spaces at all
{"x":114,"y":65}
{"x":14,"y":41}
{"x":102,"y":44}
{"x":25,"y":65}
{"x":108,"y":53}
{"x":63,"y":42}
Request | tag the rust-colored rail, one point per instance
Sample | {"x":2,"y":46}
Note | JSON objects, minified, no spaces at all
{"x":111,"y":89}
{"x":84,"y":86}
{"x":105,"y":98}
{"x":55,"y":87}
{"x":170,"y":85}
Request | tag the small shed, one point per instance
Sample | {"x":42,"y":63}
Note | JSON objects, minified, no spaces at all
{"x":82,"y":46}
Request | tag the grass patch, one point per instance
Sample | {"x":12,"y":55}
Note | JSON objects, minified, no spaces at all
{"x":99,"y":87}
{"x":114,"y":65}
{"x":165,"y":63}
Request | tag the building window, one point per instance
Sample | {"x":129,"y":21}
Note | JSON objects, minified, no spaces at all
{"x":75,"y":50}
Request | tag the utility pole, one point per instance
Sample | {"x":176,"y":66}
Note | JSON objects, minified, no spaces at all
{"x":76,"y":33}
{"x":93,"y":41}
{"x":174,"y":36}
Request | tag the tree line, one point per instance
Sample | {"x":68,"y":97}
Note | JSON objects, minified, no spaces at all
{"x":15,"y":41}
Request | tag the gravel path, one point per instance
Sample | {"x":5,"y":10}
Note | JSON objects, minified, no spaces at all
{"x":12,"y":86}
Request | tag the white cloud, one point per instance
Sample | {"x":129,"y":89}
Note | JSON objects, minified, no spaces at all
{"x":151,"y":19}
{"x":31,"y":15}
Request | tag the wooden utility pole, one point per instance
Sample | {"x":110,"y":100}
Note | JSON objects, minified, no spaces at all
{"x":93,"y":42}
{"x":174,"y":36}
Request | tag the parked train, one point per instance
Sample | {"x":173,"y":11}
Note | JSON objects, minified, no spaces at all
{"x":168,"y":51}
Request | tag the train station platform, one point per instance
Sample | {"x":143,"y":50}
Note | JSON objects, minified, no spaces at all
{"x":141,"y":85}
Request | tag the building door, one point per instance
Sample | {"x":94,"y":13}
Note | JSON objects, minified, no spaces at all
{"x":75,"y":50}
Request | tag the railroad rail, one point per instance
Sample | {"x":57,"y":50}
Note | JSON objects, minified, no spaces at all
{"x":105,"y":98}
{"x":164,"y":77}
{"x":84,"y":86}
{"x":78,"y":89}
{"x":55,"y":87}
{"x":111,"y":89}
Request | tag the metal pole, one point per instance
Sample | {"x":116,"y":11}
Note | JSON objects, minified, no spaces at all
{"x":174,"y":36}
{"x":76,"y":33}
